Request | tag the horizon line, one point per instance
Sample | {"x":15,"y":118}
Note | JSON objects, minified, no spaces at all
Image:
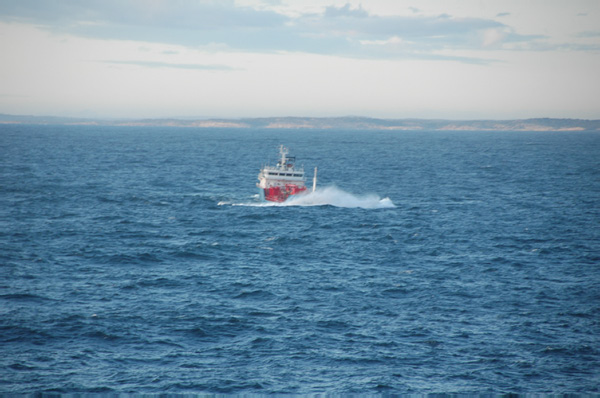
{"x":208,"y":118}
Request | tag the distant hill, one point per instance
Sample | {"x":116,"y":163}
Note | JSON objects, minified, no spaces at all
{"x":323,"y":123}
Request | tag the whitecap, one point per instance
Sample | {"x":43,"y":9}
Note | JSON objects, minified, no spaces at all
{"x":329,"y":196}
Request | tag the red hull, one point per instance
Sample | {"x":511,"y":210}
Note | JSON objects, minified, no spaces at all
{"x":280,"y":194}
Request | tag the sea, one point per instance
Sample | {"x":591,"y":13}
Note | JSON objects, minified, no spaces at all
{"x":140,"y":260}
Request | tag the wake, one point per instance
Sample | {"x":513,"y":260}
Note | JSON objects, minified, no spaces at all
{"x":327,"y":196}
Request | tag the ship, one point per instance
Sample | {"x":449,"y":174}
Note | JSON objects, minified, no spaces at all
{"x":278,"y":183}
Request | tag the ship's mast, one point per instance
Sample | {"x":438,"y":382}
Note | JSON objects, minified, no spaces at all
{"x":283,"y":151}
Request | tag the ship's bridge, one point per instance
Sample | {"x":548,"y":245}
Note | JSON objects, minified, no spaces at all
{"x":283,"y":172}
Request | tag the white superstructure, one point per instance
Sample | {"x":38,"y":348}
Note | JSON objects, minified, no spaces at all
{"x":277,"y":183}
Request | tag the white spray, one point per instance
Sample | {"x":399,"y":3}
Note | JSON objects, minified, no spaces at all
{"x":327,"y":196}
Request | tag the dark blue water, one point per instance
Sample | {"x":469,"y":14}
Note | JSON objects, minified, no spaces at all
{"x":140,"y":260}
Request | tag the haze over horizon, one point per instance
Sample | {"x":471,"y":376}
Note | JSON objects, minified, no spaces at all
{"x":267,"y":58}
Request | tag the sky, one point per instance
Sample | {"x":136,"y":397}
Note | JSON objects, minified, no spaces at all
{"x":449,"y":59}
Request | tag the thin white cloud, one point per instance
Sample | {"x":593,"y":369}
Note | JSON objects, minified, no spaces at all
{"x":392,"y":41}
{"x":589,"y":34}
{"x":495,"y":36}
{"x":342,"y":31}
{"x":345,"y":11}
{"x":155,"y":64}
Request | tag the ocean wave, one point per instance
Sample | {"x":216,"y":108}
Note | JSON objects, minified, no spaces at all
{"x":327,"y":196}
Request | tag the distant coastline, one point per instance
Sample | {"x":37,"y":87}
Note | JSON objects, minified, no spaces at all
{"x":324,"y":123}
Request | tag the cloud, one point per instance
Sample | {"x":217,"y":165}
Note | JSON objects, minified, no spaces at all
{"x":153,"y":64}
{"x":428,"y":31}
{"x":200,"y":15}
{"x":589,"y":34}
{"x":494,"y":36}
{"x":343,"y":31}
{"x":345,"y":11}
